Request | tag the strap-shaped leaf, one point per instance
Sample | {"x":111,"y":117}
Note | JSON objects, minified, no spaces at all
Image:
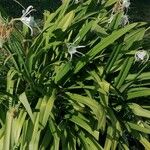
{"x":63,"y":71}
{"x":55,"y":134}
{"x":124,"y":72}
{"x":102,"y":45}
{"x":66,"y":21}
{"x":139,"y":111}
{"x":135,"y":35}
{"x":142,"y":76}
{"x":46,"y":107}
{"x":23,"y":99}
{"x":138,"y":92}
{"x":109,"y":138}
{"x":96,"y":107}
{"x":83,"y":124}
{"x":138,"y":127}
{"x":110,"y":2}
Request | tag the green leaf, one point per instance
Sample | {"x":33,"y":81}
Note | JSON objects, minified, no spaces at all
{"x":137,"y":127}
{"x":138,"y":92}
{"x":110,"y":2}
{"x":8,"y":128}
{"x":17,"y":126}
{"x":35,"y":137}
{"x":113,"y":57}
{"x":66,"y":21}
{"x":135,"y":35}
{"x":96,"y":108}
{"x":142,"y":140}
{"x":80,"y":122}
{"x":102,"y":45}
{"x":124,"y":72}
{"x":141,"y":77}
{"x":145,"y":142}
{"x":63,"y":71}
{"x":88,"y":142}
{"x":115,"y":23}
{"x":63,"y":8}
{"x":55,"y":134}
{"x":84,"y":31}
{"x":109,"y":138}
{"x":23,"y":99}
{"x":46,"y":107}
{"x":139,"y":111}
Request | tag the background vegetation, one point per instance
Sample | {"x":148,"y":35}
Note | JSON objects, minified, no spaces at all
{"x":74,"y":84}
{"x":135,"y":11}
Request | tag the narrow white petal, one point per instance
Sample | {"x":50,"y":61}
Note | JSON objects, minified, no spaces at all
{"x":80,"y":46}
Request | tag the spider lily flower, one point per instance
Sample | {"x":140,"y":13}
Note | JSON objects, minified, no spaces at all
{"x":27,"y":11}
{"x":72,"y":49}
{"x":124,"y":20}
{"x":77,"y":1}
{"x":141,"y":55}
{"x":126,"y":4}
{"x":27,"y":19}
{"x":29,"y":22}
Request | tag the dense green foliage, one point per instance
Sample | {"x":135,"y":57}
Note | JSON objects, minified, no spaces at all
{"x":96,"y":100}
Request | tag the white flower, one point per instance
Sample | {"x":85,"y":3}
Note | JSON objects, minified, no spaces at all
{"x":72,"y":49}
{"x":29,"y":22}
{"x":27,"y":19}
{"x":27,"y":11}
{"x":126,"y":3}
{"x":141,"y":55}
{"x":77,"y":1}
{"x":124,"y":20}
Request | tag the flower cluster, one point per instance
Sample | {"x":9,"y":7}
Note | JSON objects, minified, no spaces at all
{"x":121,"y":6}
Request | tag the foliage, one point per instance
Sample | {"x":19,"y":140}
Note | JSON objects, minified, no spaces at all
{"x":98,"y":100}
